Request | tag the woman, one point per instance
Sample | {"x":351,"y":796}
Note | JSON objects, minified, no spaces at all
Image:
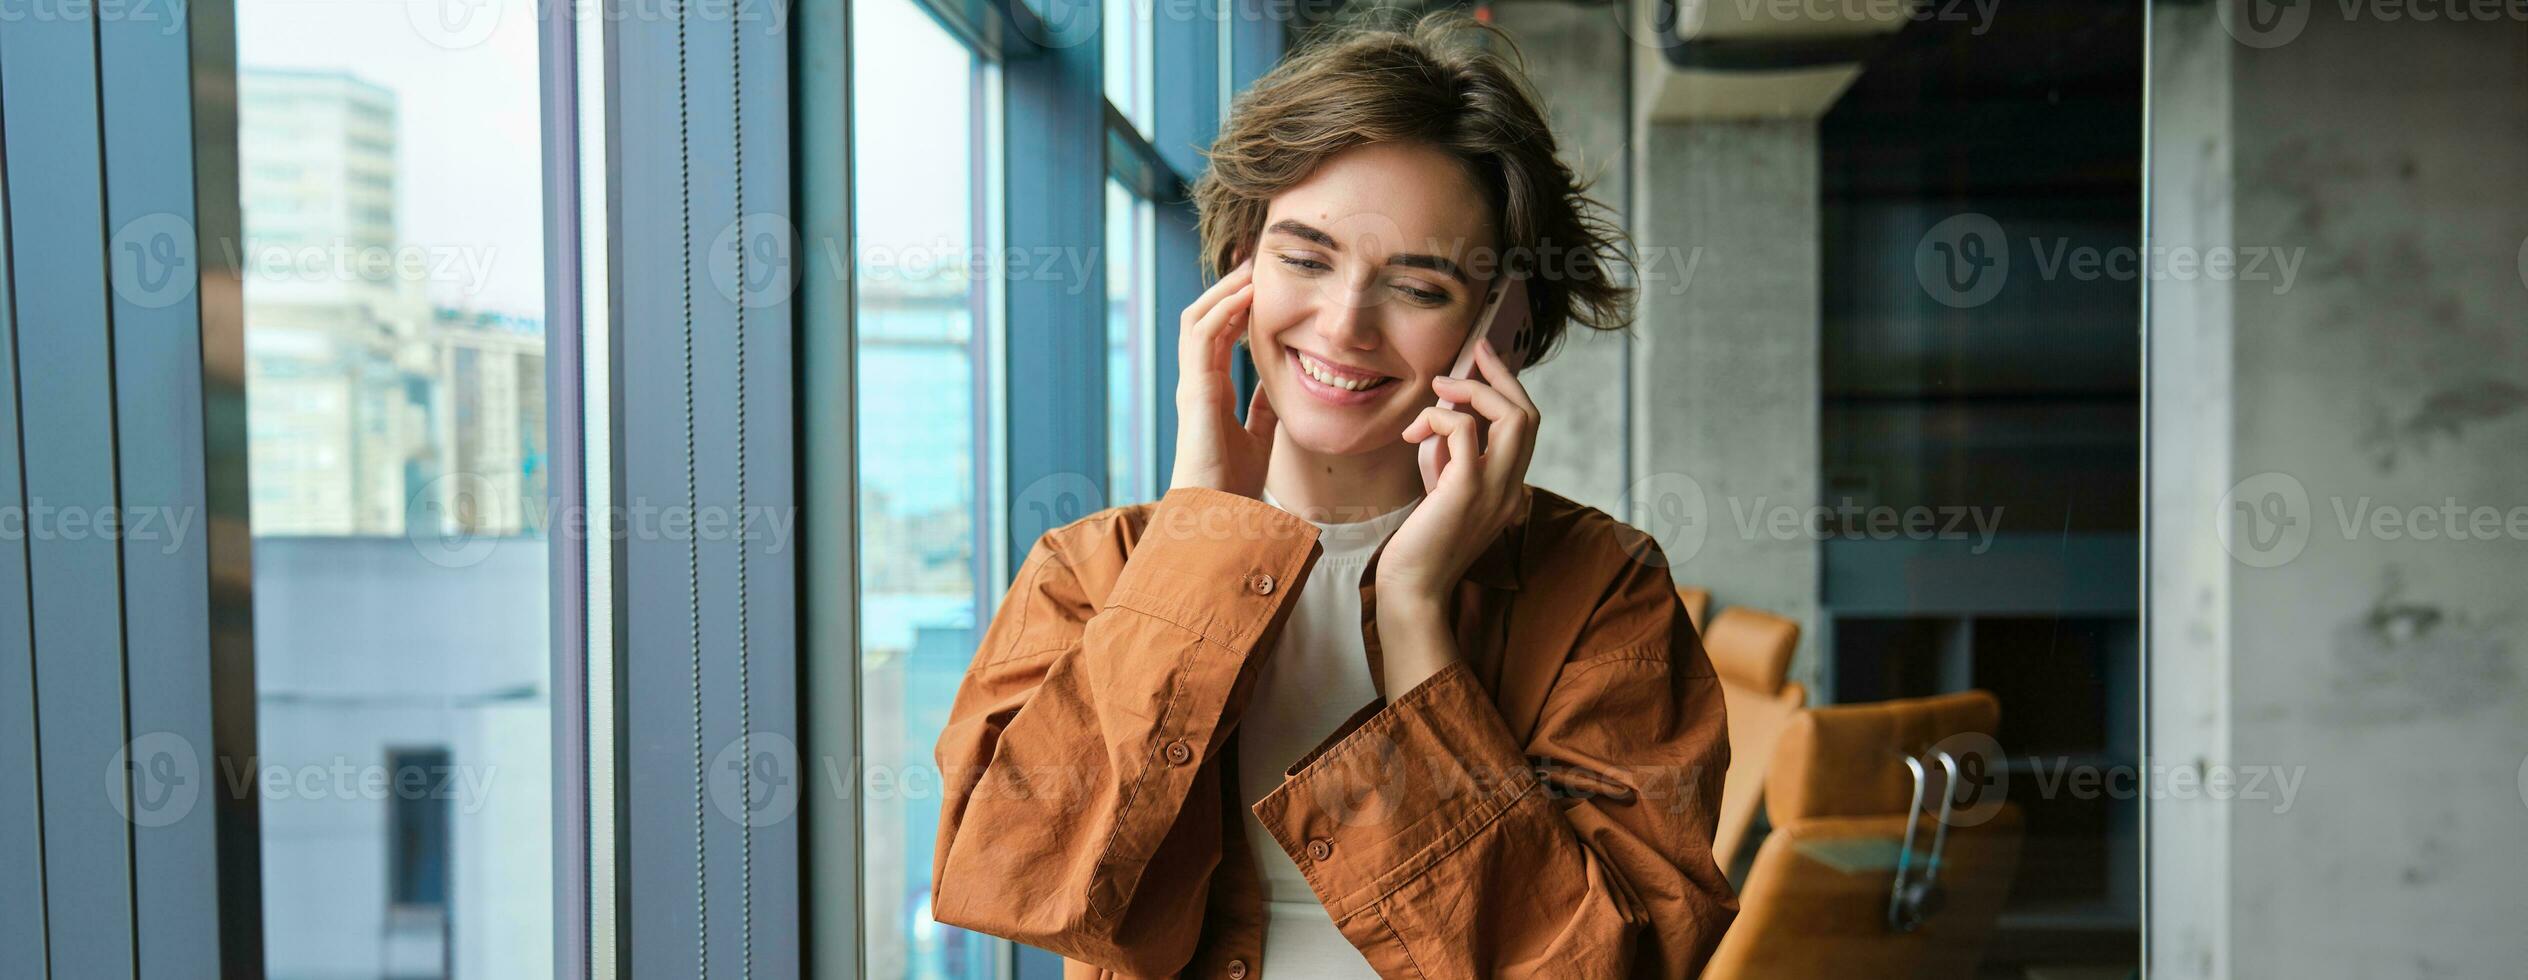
{"x":1305,"y":713}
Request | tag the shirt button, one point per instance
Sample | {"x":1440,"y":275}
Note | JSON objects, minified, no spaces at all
{"x":1320,"y":849}
{"x":1261,"y":583}
{"x":1237,"y":970}
{"x":1178,"y":752}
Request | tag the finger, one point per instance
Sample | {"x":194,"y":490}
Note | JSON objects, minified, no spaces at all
{"x":1229,"y":283}
{"x":1260,"y":417}
{"x":1487,"y":401}
{"x":1227,"y":325}
{"x":1428,"y":425}
{"x":1464,"y":456}
{"x":1510,"y":431}
{"x":1205,"y":346}
{"x":1496,"y":372}
{"x":1420,"y":428}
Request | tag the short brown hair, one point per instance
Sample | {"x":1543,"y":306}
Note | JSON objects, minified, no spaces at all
{"x":1432,"y":82}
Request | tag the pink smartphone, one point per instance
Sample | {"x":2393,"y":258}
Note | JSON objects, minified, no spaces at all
{"x":1503,"y":318}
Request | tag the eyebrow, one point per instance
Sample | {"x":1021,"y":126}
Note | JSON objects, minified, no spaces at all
{"x":1414,"y":260}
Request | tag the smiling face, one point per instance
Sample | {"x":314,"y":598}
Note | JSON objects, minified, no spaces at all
{"x":1367,"y":279}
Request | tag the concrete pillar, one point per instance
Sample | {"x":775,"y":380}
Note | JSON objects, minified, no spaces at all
{"x":1725,"y":373}
{"x":2188,"y":373}
{"x":1571,"y":54}
{"x":2339,"y":504}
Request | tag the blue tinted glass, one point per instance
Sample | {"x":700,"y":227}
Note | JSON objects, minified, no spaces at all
{"x":390,"y":176}
{"x":917,"y":305}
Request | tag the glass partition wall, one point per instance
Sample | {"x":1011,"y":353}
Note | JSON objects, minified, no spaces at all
{"x":468,"y":335}
{"x":399,"y":462}
{"x":924,"y":379}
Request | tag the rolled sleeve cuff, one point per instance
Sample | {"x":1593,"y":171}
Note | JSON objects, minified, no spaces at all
{"x":1400,"y":792}
{"x":1217,"y":563}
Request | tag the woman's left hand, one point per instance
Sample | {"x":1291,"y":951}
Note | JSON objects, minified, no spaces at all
{"x":1479,"y":490}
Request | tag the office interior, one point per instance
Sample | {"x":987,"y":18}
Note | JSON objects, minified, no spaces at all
{"x":510,"y":489}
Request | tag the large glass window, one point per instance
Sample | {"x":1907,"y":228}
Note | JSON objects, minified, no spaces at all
{"x":1126,"y":30}
{"x":1131,"y":419}
{"x":923,"y":133}
{"x":395,"y":346}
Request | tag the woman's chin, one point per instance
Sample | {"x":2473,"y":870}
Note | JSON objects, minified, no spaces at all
{"x":1338,"y":436}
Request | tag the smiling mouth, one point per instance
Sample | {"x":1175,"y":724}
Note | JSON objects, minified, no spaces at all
{"x":1329,"y":376}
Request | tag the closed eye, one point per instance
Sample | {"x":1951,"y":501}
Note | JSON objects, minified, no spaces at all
{"x":1420,"y":295}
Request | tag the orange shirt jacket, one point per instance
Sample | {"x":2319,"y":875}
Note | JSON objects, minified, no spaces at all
{"x":1542,"y":807}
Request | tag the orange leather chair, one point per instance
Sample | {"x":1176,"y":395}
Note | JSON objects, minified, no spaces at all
{"x":1817,"y":903}
{"x":1698,"y":604}
{"x":1751,"y":651}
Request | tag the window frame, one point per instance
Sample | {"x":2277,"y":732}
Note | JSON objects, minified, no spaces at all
{"x":1045,"y":423}
{"x":694,"y":868}
{"x":156,"y":133}
{"x":129,"y":400}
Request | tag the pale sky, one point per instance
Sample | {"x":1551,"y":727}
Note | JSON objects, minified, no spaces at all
{"x":469,"y":123}
{"x":468,"y":126}
{"x":912,"y":148}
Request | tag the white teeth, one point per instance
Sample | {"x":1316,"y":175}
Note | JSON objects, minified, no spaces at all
{"x":1322,"y":377}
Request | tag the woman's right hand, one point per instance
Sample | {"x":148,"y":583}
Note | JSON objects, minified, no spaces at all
{"x":1213,"y":449}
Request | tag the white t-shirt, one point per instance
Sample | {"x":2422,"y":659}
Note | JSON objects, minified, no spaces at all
{"x":1317,"y":675}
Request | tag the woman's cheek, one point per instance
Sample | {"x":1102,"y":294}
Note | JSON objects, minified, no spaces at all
{"x":1274,"y":309}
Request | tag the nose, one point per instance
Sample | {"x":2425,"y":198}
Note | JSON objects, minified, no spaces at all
{"x":1347,"y":316}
